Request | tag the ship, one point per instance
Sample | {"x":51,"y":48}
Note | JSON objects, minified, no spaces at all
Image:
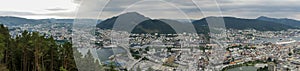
{"x":281,"y":41}
{"x":110,"y":46}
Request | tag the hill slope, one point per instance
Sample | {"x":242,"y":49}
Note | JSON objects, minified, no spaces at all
{"x":242,"y":24}
{"x":290,"y":22}
{"x":147,"y":25}
{"x":7,"y":20}
{"x":140,"y":23}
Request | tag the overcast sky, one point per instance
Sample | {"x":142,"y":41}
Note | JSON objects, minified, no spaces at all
{"x":173,"y":9}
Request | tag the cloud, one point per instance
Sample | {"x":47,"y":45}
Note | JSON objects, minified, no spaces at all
{"x":166,"y":9}
{"x":11,"y":13}
{"x":56,"y":9}
{"x":255,"y":8}
{"x":77,"y":1}
{"x":37,"y":15}
{"x":116,"y":7}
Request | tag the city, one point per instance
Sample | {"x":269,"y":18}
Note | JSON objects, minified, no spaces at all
{"x":276,"y":50}
{"x":149,"y":35}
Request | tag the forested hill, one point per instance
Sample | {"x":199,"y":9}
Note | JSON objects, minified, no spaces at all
{"x":242,"y":24}
{"x":286,"y":21}
{"x":201,"y":25}
{"x":11,"y":21}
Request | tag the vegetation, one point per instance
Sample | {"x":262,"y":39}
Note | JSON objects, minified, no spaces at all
{"x":205,"y":48}
{"x":290,"y":54}
{"x":285,"y":21}
{"x":201,"y":26}
{"x":250,"y":63}
{"x":33,"y":52}
{"x":170,"y":64}
{"x":296,"y":51}
{"x":243,"y":24}
{"x":263,"y":69}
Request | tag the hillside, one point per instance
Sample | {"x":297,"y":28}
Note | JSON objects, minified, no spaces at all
{"x":140,"y":23}
{"x":10,"y":21}
{"x":286,"y":21}
{"x":241,"y":24}
{"x":160,"y":25}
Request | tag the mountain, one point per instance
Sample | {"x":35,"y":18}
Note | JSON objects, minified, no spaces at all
{"x":147,"y":25}
{"x":130,"y":18}
{"x":153,"y":26}
{"x":286,"y":21}
{"x":66,"y":21}
{"x":241,"y":24}
{"x":14,"y":21}
{"x":58,"y":20}
{"x":8,"y":20}
{"x":136,"y":23}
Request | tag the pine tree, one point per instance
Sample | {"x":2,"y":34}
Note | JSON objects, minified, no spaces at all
{"x":31,"y":51}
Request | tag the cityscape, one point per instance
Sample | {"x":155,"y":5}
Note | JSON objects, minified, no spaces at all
{"x":250,"y":48}
{"x":145,"y":40}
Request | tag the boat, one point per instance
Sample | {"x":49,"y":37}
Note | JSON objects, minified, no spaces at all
{"x":110,"y":46}
{"x":282,"y":41}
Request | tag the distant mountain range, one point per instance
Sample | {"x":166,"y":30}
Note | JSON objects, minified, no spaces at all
{"x":201,"y":26}
{"x":7,"y":20}
{"x":242,"y":24}
{"x":286,"y":21}
{"x":148,"y":25}
{"x":137,"y":23}
{"x":12,"y":21}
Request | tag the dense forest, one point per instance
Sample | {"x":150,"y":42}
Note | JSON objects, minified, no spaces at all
{"x":31,"y":51}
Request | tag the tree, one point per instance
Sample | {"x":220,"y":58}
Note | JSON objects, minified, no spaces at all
{"x":150,"y":69}
{"x":67,"y":56}
{"x":31,"y":51}
{"x":4,"y":37}
{"x":62,"y":69}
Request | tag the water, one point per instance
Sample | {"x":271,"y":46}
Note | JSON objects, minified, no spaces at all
{"x":102,"y":54}
{"x":105,"y":53}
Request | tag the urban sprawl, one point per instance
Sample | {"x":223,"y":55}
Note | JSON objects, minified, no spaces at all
{"x":270,"y":50}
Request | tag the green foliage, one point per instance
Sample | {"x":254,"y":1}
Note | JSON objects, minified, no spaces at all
{"x":250,"y":63}
{"x":87,"y":62}
{"x":147,"y":49}
{"x":4,"y":40}
{"x":62,"y":69}
{"x":263,"y":69}
{"x":290,"y":54}
{"x":33,"y":52}
{"x":2,"y":46}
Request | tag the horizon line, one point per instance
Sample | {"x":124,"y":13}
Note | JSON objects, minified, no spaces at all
{"x":153,"y":18}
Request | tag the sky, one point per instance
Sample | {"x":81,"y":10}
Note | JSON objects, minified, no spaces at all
{"x":170,"y":9}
